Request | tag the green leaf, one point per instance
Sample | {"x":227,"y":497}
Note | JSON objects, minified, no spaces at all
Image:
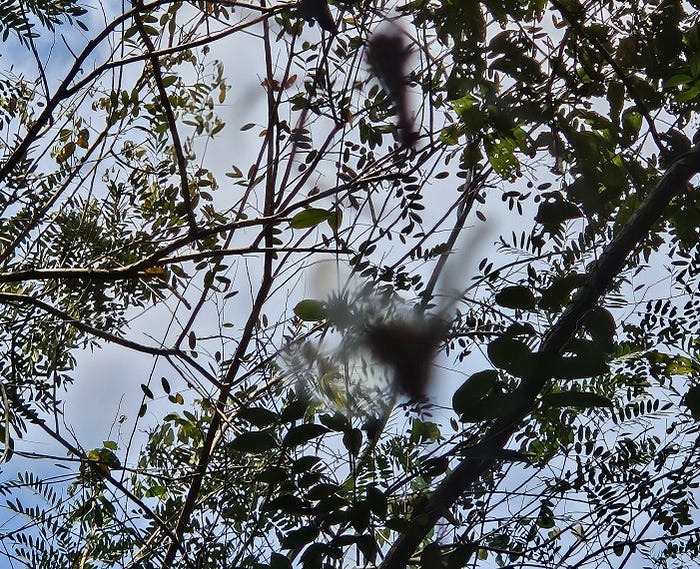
{"x":302,"y":434}
{"x":471,"y":154}
{"x":516,"y":297}
{"x":424,"y":431}
{"x":552,"y":214}
{"x":311,"y":218}
{"x":311,"y":310}
{"x":335,"y":219}
{"x":631,"y":124}
{"x":501,"y":155}
{"x":450,"y":135}
{"x":676,"y":80}
{"x":156,"y":491}
{"x":150,"y":30}
{"x":254,"y":442}
{"x":582,"y":399}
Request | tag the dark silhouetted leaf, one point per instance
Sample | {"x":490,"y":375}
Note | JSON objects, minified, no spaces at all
{"x":336,"y":422}
{"x":516,"y":297}
{"x":299,"y":538}
{"x":582,"y":399}
{"x":600,"y":324}
{"x":305,"y":463}
{"x":272,"y":475}
{"x":400,"y":525}
{"x":146,"y":391}
{"x":497,"y":453}
{"x":553,"y":214}
{"x":511,"y":355}
{"x":253,"y":442}
{"x":352,"y":440}
{"x":289,"y":504}
{"x":557,"y":294}
{"x":258,"y":416}
{"x":473,"y":390}
{"x":303,"y":434}
{"x":311,"y":217}
{"x":575,"y":367}
{"x":409,"y":348}
{"x":377,"y":501}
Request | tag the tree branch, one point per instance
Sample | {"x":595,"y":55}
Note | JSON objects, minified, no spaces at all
{"x":180,"y":159}
{"x":13,"y":298}
{"x":609,"y":265}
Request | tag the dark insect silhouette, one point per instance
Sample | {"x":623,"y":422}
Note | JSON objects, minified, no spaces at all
{"x":388,"y":56}
{"x":318,"y":11}
{"x":408,"y":348}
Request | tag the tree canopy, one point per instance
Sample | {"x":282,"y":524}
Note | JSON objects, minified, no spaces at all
{"x":416,"y":282}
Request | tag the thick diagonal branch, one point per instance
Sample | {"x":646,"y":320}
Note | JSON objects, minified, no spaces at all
{"x":611,"y":262}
